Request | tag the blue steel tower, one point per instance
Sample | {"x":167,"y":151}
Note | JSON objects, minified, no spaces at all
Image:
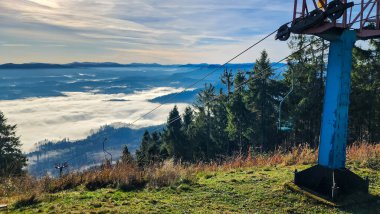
{"x":342,"y":23}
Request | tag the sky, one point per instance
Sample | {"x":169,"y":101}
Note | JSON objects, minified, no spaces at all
{"x":146,"y":31}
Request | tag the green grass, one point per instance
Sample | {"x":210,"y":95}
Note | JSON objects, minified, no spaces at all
{"x":250,"y":190}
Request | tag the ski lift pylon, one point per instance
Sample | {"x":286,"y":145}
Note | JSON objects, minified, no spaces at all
{"x":342,"y":28}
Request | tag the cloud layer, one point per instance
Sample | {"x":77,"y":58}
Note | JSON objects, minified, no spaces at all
{"x":74,"y":115}
{"x":138,"y":30}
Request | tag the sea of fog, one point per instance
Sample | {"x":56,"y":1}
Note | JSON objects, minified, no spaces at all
{"x":70,"y":103}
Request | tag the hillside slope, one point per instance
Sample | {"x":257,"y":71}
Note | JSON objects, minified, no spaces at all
{"x":234,"y":190}
{"x":84,"y":153}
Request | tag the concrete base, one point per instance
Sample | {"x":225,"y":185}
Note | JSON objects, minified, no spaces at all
{"x":353,"y":199}
{"x":331,"y":184}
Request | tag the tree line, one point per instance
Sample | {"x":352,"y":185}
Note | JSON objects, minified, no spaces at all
{"x":243,"y":116}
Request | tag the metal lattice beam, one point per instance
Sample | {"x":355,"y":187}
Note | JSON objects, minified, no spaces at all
{"x":363,"y":16}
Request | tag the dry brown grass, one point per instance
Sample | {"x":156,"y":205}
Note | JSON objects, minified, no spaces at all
{"x":301,"y":154}
{"x":364,"y":155}
{"x":130,"y":177}
{"x":361,"y":154}
{"x":169,"y":173}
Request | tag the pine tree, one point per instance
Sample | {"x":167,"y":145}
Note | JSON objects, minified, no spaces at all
{"x":304,"y":105}
{"x":219,"y":136}
{"x":238,"y":115}
{"x":173,"y":136}
{"x":205,"y":102}
{"x":126,"y":156}
{"x":12,"y":160}
{"x":261,"y":101}
{"x":227,"y":80}
{"x":188,"y":118}
{"x":142,"y":156}
{"x":156,"y":148}
{"x":199,"y":137}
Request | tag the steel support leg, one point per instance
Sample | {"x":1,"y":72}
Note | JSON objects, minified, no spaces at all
{"x":333,"y":139}
{"x":330,"y":178}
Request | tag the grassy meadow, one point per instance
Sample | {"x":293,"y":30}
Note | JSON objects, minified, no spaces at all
{"x":254,"y":184}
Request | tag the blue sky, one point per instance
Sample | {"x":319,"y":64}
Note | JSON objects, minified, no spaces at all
{"x":170,"y":31}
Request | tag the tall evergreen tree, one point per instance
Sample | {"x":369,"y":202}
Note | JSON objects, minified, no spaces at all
{"x":199,"y":137}
{"x":142,"y":155}
{"x":262,"y":101}
{"x":188,"y":118}
{"x":126,"y":156}
{"x":12,"y":160}
{"x":304,"y":106}
{"x":173,"y":136}
{"x":238,"y":115}
{"x":219,"y":125}
{"x":227,"y":80}
{"x":205,"y":102}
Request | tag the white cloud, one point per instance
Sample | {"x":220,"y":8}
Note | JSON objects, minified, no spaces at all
{"x":53,"y":45}
{"x":75,"y":114}
{"x":15,"y":45}
{"x":188,"y":29}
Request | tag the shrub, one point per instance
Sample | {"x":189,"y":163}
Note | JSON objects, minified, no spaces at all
{"x":66,"y":182}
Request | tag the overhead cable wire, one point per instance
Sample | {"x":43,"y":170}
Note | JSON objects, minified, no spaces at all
{"x":204,"y":77}
{"x":250,"y":79}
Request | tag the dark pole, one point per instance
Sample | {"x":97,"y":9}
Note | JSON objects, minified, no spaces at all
{"x":60,"y":167}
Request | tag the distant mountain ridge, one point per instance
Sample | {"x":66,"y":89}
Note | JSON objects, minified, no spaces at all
{"x":73,"y":65}
{"x":38,"y":65}
{"x":33,"y":65}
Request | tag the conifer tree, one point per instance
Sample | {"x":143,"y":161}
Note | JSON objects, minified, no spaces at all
{"x":173,"y":136}
{"x":126,"y":156}
{"x":204,"y":103}
{"x":142,"y":155}
{"x":238,"y":115}
{"x":261,"y":101}
{"x":304,"y":106}
{"x":227,"y":80}
{"x":12,"y":160}
{"x":219,"y":126}
{"x":188,"y":118}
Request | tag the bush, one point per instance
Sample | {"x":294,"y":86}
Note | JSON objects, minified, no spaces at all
{"x":66,"y":182}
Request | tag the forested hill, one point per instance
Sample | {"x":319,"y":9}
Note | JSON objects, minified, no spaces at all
{"x":81,"y":154}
